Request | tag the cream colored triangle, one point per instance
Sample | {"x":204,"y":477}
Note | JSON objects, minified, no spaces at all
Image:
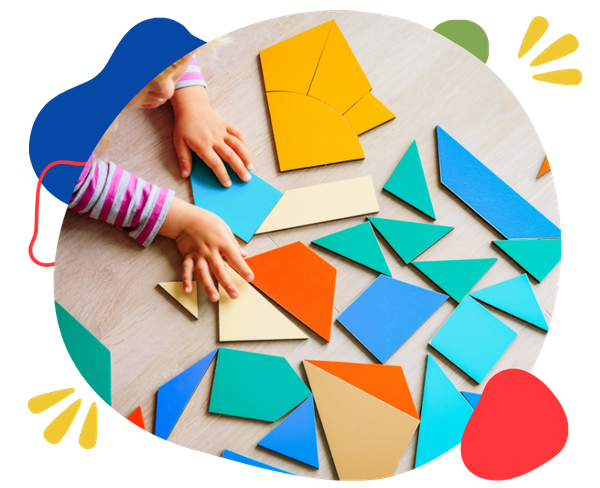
{"x":188,"y":300}
{"x":366,"y":436}
{"x":251,"y":317}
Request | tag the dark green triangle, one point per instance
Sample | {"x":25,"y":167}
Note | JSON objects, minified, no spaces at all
{"x":536,"y":256}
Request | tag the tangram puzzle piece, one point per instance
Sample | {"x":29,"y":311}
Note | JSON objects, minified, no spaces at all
{"x":456,"y":277}
{"x":496,"y":202}
{"x":387,"y":313}
{"x":299,"y":280}
{"x":366,"y":436}
{"x":473,"y":339}
{"x":255,"y":386}
{"x":515,"y":297}
{"x":545,"y":168}
{"x":251,"y":317}
{"x":174,"y":395}
{"x":359,"y":244}
{"x":319,"y":99}
{"x":233,"y":456}
{"x":387,"y":383}
{"x":189,"y":301}
{"x":90,"y":356}
{"x":322,"y":203}
{"x":137,"y":418}
{"x":472,"y":398}
{"x":536,"y":256}
{"x":296,"y":436}
{"x":409,"y":239}
{"x":407,"y":182}
{"x":444,"y":415}
{"x":243,"y":206}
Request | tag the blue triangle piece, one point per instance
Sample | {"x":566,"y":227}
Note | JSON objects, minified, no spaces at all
{"x":444,"y":415}
{"x":472,"y":398}
{"x":515,"y":297}
{"x":234,"y":456}
{"x":482,"y":190}
{"x":296,"y":436}
{"x":174,"y":395}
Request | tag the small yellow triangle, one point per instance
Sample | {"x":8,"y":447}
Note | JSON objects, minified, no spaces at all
{"x":188,"y":300}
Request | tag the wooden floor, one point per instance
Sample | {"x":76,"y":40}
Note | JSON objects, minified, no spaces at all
{"x":109,"y":283}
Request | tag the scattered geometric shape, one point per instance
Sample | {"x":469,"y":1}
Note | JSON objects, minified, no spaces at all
{"x":535,"y":31}
{"x":467,"y":35}
{"x":57,"y":429}
{"x":322,"y":203}
{"x":255,"y":386}
{"x":482,"y":190}
{"x":387,"y":313}
{"x":518,"y":426}
{"x":444,"y":415}
{"x":560,"y":48}
{"x":251,"y":317}
{"x":473,"y":339}
{"x":409,"y":239}
{"x":545,"y":167}
{"x":387,"y":383}
{"x":189,"y":301}
{"x":90,"y":356}
{"x":456,"y":277}
{"x":243,"y":206}
{"x":89,"y":430}
{"x":367,"y":113}
{"x":570,"y":77}
{"x":407,"y":182}
{"x":42,"y":402}
{"x":515,"y":297}
{"x":358,"y":244}
{"x":234,"y":456}
{"x":137,"y":418}
{"x":536,"y":256}
{"x":299,"y":280}
{"x":173,"y":396}
{"x":366,"y":436}
{"x":472,"y":398}
{"x":296,"y":436}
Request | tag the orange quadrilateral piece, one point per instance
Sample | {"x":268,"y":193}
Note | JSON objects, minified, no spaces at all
{"x":367,"y":113}
{"x":137,"y":418}
{"x":300,"y":281}
{"x":545,"y":168}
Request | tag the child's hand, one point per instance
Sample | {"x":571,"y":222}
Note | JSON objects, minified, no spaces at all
{"x":203,"y":240}
{"x":200,"y":129}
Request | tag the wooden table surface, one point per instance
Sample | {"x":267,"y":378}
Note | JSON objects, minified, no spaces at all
{"x":109,"y":283}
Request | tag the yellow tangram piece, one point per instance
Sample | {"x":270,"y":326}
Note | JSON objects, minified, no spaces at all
{"x":318,"y":65}
{"x":188,"y":300}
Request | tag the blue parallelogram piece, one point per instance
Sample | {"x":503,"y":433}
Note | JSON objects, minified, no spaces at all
{"x":482,"y":190}
{"x":233,"y":456}
{"x":472,"y":398}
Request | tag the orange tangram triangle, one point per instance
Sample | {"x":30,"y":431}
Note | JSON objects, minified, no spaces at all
{"x":137,"y":418}
{"x":545,"y":168}
{"x":385,"y":382}
{"x":300,"y":281}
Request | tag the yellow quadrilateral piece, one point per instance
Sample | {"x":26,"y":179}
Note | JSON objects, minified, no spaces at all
{"x":322,"y":203}
{"x":188,"y":300}
{"x":367,"y":113}
{"x":366,"y":436}
{"x":291,"y":64}
{"x":339,"y":80}
{"x":251,"y":317}
{"x":310,"y":133}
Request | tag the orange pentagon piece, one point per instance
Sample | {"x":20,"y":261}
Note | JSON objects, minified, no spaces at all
{"x":137,"y":418}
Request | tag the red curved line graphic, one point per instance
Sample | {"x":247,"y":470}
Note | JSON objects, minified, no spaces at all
{"x":37,"y":209}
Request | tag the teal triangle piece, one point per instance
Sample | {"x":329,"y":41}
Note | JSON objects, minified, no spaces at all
{"x":536,"y":256}
{"x":90,"y":356}
{"x":359,"y":244}
{"x":173,"y":396}
{"x":515,"y":297}
{"x":296,"y":436}
{"x":444,"y":415}
{"x":255,"y":386}
{"x":472,"y":398}
{"x":455,"y":277}
{"x":234,"y":456}
{"x":407,"y":182}
{"x":409,"y":239}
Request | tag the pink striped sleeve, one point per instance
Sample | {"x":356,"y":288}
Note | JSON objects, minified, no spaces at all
{"x":192,"y":76}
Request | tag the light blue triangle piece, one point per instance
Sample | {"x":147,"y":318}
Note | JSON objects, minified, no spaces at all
{"x":234,"y":456}
{"x":174,"y":395}
{"x":515,"y":297}
{"x":296,"y":436}
{"x":472,"y":398}
{"x":444,"y":415}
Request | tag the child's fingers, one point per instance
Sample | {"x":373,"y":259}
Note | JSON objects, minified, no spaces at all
{"x":237,"y":244}
{"x":229,"y":155}
{"x":240,"y":148}
{"x":185,"y":157}
{"x":206,"y":280}
{"x":186,"y":275}
{"x":214,"y":162}
{"x":234,"y":131}
{"x":240,"y":265}
{"x":217,"y":266}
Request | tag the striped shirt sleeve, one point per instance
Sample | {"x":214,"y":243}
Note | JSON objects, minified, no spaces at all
{"x":108,"y":193}
{"x":192,"y":76}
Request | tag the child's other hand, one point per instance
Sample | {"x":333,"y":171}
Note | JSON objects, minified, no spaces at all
{"x":203,"y":240}
{"x":200,"y":129}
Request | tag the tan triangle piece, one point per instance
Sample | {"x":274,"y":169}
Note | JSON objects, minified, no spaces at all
{"x":188,"y":300}
{"x":366,"y":436}
{"x":251,"y":317}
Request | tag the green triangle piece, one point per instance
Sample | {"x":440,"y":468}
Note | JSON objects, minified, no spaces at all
{"x":455,"y":277}
{"x":515,"y":297}
{"x":90,"y":356}
{"x":359,"y":244}
{"x":536,"y":256}
{"x":409,"y":239}
{"x":407,"y":182}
